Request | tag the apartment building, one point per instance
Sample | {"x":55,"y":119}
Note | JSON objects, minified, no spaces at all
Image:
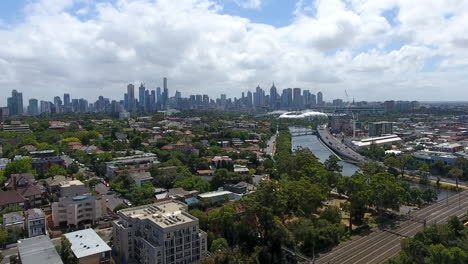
{"x":35,"y":222}
{"x":78,"y":210}
{"x":144,"y":160}
{"x":72,"y":188}
{"x":160,"y":233}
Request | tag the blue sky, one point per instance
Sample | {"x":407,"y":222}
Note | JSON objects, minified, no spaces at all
{"x":272,"y":12}
{"x":11,"y":11}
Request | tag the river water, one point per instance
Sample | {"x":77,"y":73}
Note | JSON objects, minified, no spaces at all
{"x":322,"y":153}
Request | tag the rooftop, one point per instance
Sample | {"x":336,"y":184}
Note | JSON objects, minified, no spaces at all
{"x":86,"y":243}
{"x":38,"y":250}
{"x":12,"y":218}
{"x":164,"y":214}
{"x":34,"y":213}
{"x":70,"y":183}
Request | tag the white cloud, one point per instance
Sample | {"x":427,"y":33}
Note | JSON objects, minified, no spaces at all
{"x":253,"y":4}
{"x":331,"y":45}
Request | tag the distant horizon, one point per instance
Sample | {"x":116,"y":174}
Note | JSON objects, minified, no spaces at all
{"x":171,"y":94}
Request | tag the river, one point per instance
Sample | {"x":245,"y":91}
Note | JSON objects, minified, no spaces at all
{"x":322,"y":153}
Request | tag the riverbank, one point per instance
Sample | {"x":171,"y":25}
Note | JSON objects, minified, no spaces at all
{"x":442,"y":185}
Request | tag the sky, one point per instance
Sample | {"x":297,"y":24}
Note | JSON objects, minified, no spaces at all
{"x":373,"y":49}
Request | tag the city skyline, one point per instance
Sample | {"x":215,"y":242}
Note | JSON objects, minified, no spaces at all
{"x":368,"y":48}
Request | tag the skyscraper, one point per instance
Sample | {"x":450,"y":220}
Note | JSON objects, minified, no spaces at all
{"x":15,"y":103}
{"x":141,"y":97}
{"x":165,"y":95}
{"x":58,"y":104}
{"x":131,"y":97}
{"x":320,"y":99}
{"x":33,"y":107}
{"x":297,"y":99}
{"x":273,"y":97}
{"x":66,"y":103}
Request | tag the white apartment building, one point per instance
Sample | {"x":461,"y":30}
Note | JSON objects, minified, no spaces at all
{"x":35,"y":222}
{"x":160,"y":233}
{"x":78,"y":210}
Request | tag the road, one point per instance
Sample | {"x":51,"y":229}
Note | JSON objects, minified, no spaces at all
{"x":106,"y":235}
{"x":337,"y":146}
{"x":382,"y":244}
{"x":270,"y":149}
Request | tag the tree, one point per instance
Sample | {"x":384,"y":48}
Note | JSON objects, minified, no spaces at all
{"x":14,"y":259}
{"x":65,"y":251}
{"x":219,"y":244}
{"x":55,"y":170}
{"x":332,"y":214}
{"x":19,"y":166}
{"x":193,"y":183}
{"x":424,"y":172}
{"x":331,"y":164}
{"x":456,"y":173}
{"x":73,"y":168}
{"x":120,"y":207}
{"x":385,"y":191}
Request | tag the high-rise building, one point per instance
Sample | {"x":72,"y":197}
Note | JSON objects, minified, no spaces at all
{"x":131,"y":97}
{"x":320,"y":101}
{"x":15,"y":103}
{"x":66,"y":103}
{"x":297,"y":98}
{"x":165,"y":94}
{"x":58,"y":104}
{"x":273,"y":97}
{"x":306,"y":98}
{"x":158,"y":95}
{"x":33,"y":107}
{"x":46,"y":107}
{"x":249,"y":99}
{"x":313,"y":100}
{"x":158,"y":233}
{"x":141,"y":97}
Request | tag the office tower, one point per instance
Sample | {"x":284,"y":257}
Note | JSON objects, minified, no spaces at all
{"x":158,"y":233}
{"x":287,"y":98}
{"x":165,"y":94}
{"x":313,"y":100}
{"x":158,"y":95}
{"x":320,"y":101}
{"x":46,"y":107}
{"x":378,"y":129}
{"x":297,"y":98}
{"x":273,"y":97}
{"x":131,"y":97}
{"x":15,"y":103}
{"x":141,"y":97}
{"x":223,"y":99}
{"x":306,"y":98}
{"x":206,"y":100}
{"x":147,"y":101}
{"x":249,"y":99}
{"x":33,"y":107}
{"x":66,"y":100}
{"x":153,"y":101}
{"x":58,"y":104}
